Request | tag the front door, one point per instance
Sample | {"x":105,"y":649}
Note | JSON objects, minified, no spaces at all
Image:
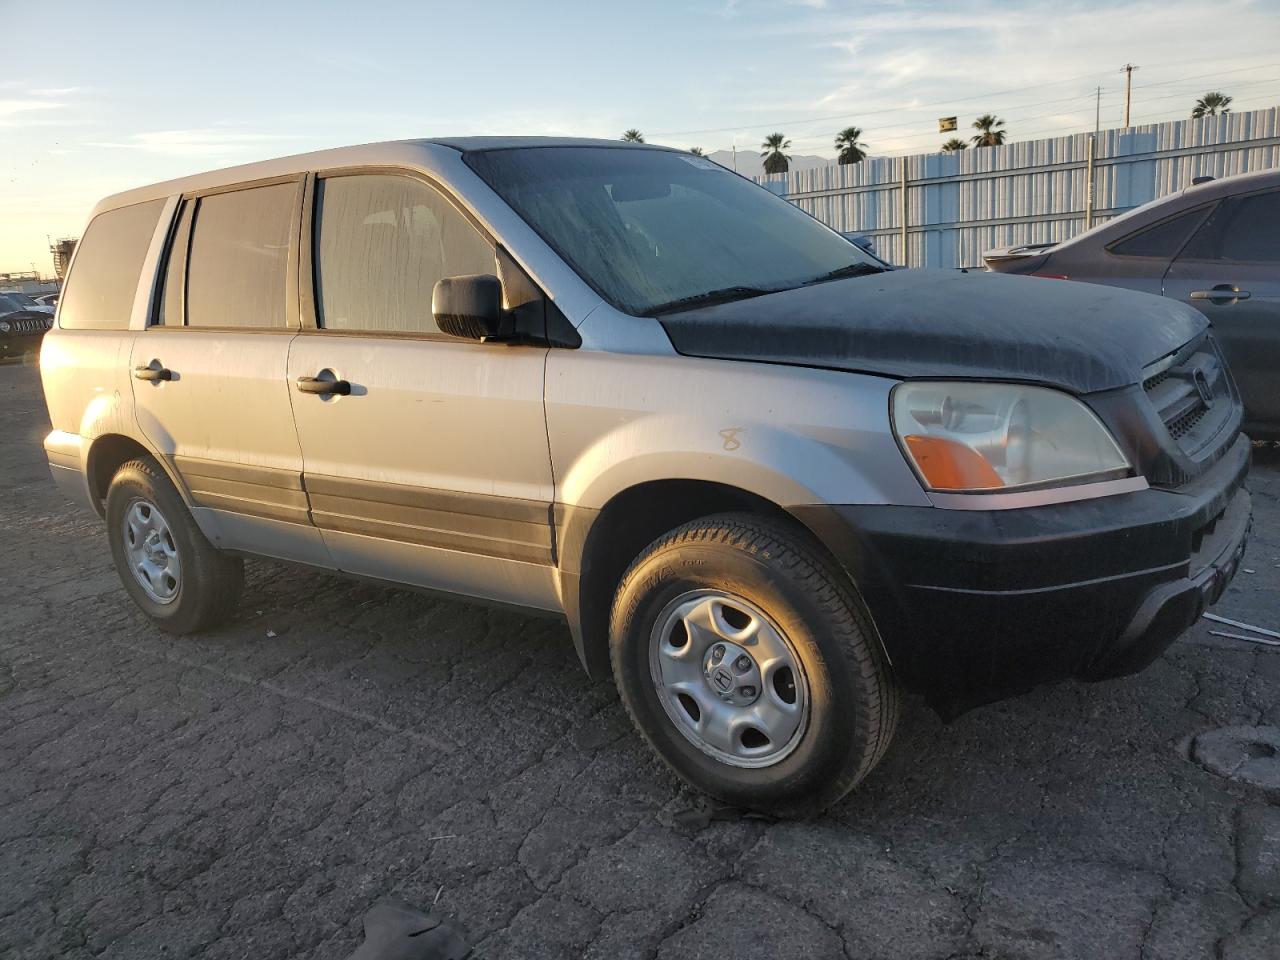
{"x":210,"y":371}
{"x":1230,"y":270}
{"x":431,"y":466}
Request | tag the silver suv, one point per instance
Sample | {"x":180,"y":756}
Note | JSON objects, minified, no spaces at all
{"x":768,"y":483}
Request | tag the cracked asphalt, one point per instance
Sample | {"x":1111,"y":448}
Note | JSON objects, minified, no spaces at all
{"x":251,"y":792}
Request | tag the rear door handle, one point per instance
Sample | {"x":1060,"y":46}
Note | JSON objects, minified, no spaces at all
{"x":1222,"y":293}
{"x":315,"y":385}
{"x":152,"y":373}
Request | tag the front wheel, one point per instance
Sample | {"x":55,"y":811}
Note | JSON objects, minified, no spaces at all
{"x":166,"y":564}
{"x":748,"y":663}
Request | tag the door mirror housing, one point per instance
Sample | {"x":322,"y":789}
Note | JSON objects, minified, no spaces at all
{"x":468,"y":306}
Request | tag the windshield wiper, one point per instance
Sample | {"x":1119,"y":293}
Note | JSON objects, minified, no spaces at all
{"x":849,"y":270}
{"x":723,"y":295}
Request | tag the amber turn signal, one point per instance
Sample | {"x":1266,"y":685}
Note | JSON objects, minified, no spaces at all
{"x":950,"y":465}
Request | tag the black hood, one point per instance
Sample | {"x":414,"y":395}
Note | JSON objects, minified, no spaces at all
{"x":943,"y":323}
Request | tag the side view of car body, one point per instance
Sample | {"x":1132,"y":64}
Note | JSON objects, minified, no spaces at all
{"x":1214,"y":245}
{"x":768,"y":483}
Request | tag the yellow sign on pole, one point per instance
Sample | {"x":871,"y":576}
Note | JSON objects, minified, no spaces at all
{"x":946,"y":123}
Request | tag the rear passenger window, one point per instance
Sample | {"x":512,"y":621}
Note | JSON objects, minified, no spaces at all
{"x":108,"y":263}
{"x":170,"y":313}
{"x":1242,"y":229}
{"x":381,"y":244}
{"x":1163,"y":240}
{"x":239,"y":257}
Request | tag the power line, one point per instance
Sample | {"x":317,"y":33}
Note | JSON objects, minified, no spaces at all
{"x":946,"y":103}
{"x":1216,"y":73}
{"x":1007,"y":120}
{"x":868,"y":113}
{"x":1026,"y":119}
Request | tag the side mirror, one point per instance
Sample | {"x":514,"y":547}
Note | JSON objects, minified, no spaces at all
{"x":468,"y":306}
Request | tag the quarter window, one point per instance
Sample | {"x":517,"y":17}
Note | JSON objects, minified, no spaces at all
{"x":1242,"y":229}
{"x":1162,"y":240}
{"x":239,"y":256}
{"x":108,"y":264}
{"x":382,"y":242}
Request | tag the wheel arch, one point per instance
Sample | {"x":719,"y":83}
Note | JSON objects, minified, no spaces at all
{"x":106,"y":454}
{"x":595,"y":547}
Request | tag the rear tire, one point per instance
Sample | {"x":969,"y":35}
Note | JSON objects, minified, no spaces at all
{"x":809,"y":704}
{"x":166,"y":564}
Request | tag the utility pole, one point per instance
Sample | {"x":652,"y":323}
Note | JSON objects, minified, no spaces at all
{"x":906,"y":217}
{"x":1090,"y":188}
{"x":1127,"y":70}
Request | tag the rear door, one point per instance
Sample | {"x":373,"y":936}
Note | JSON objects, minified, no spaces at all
{"x":1139,"y":260}
{"x":434,"y":468}
{"x":210,"y":370}
{"x":1230,"y":270}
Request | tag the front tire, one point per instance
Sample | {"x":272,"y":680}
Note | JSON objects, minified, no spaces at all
{"x":166,"y":564}
{"x":750,"y":666}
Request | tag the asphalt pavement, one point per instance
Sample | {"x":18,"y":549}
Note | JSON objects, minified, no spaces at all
{"x":251,"y":792}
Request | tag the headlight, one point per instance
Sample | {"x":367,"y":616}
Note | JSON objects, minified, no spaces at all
{"x":4,"y":326}
{"x":996,"y":436}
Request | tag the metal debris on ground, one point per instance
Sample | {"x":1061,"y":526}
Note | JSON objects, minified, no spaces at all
{"x":395,"y":931}
{"x":1242,"y":625}
{"x":1241,"y":636}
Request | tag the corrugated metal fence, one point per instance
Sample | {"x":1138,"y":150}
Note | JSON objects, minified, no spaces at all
{"x":960,"y":204}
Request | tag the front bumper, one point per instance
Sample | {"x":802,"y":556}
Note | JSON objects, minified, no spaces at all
{"x":19,"y":344}
{"x":975,"y":606}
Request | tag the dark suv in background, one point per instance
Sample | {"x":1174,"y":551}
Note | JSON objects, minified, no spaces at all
{"x":1214,"y":245}
{"x":22,"y":326}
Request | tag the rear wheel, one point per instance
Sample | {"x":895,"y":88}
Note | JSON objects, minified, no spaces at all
{"x":166,"y":564}
{"x":750,"y":666}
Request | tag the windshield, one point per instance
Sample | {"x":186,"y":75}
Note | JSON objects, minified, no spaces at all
{"x":654,"y":231}
{"x":12,"y":301}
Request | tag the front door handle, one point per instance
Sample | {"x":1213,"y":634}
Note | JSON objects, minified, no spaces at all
{"x":315,"y":385}
{"x":1222,"y":293}
{"x":152,"y":373}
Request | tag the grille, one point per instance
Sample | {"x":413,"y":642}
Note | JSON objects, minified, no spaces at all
{"x":1191,"y":393}
{"x":1180,"y":427}
{"x":1151,"y":383}
{"x":28,"y":325}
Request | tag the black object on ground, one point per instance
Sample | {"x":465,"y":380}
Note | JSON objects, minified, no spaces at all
{"x":393,"y":930}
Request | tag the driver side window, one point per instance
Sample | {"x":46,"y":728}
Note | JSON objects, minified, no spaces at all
{"x":381,"y":243}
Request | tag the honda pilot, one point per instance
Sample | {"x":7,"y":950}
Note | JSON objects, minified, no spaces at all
{"x":769,"y":483}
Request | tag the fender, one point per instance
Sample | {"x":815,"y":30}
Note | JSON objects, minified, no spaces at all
{"x":643,"y":443}
{"x":791,"y":435}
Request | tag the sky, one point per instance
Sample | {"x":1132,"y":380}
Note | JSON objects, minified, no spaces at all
{"x":100,"y":97}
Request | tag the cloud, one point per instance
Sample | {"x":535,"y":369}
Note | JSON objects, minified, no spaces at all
{"x":10,"y":109}
{"x":53,"y":91}
{"x":210,"y":141}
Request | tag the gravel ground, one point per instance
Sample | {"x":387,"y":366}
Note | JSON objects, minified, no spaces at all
{"x":251,"y":792}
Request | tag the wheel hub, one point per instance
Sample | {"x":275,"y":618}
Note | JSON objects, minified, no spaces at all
{"x":151,"y":552}
{"x":729,"y":679}
{"x":732,"y":674}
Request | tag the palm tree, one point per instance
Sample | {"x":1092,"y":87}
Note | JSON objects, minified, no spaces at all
{"x":1211,"y":104}
{"x":775,"y":161}
{"x":989,"y":132}
{"x":633,"y":136}
{"x":849,"y":149}
{"x":697,"y":151}
{"x":952,"y":145}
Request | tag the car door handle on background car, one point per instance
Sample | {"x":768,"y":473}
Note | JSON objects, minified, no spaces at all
{"x":316,"y":385}
{"x":1222,"y":293}
{"x":153,"y":373}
